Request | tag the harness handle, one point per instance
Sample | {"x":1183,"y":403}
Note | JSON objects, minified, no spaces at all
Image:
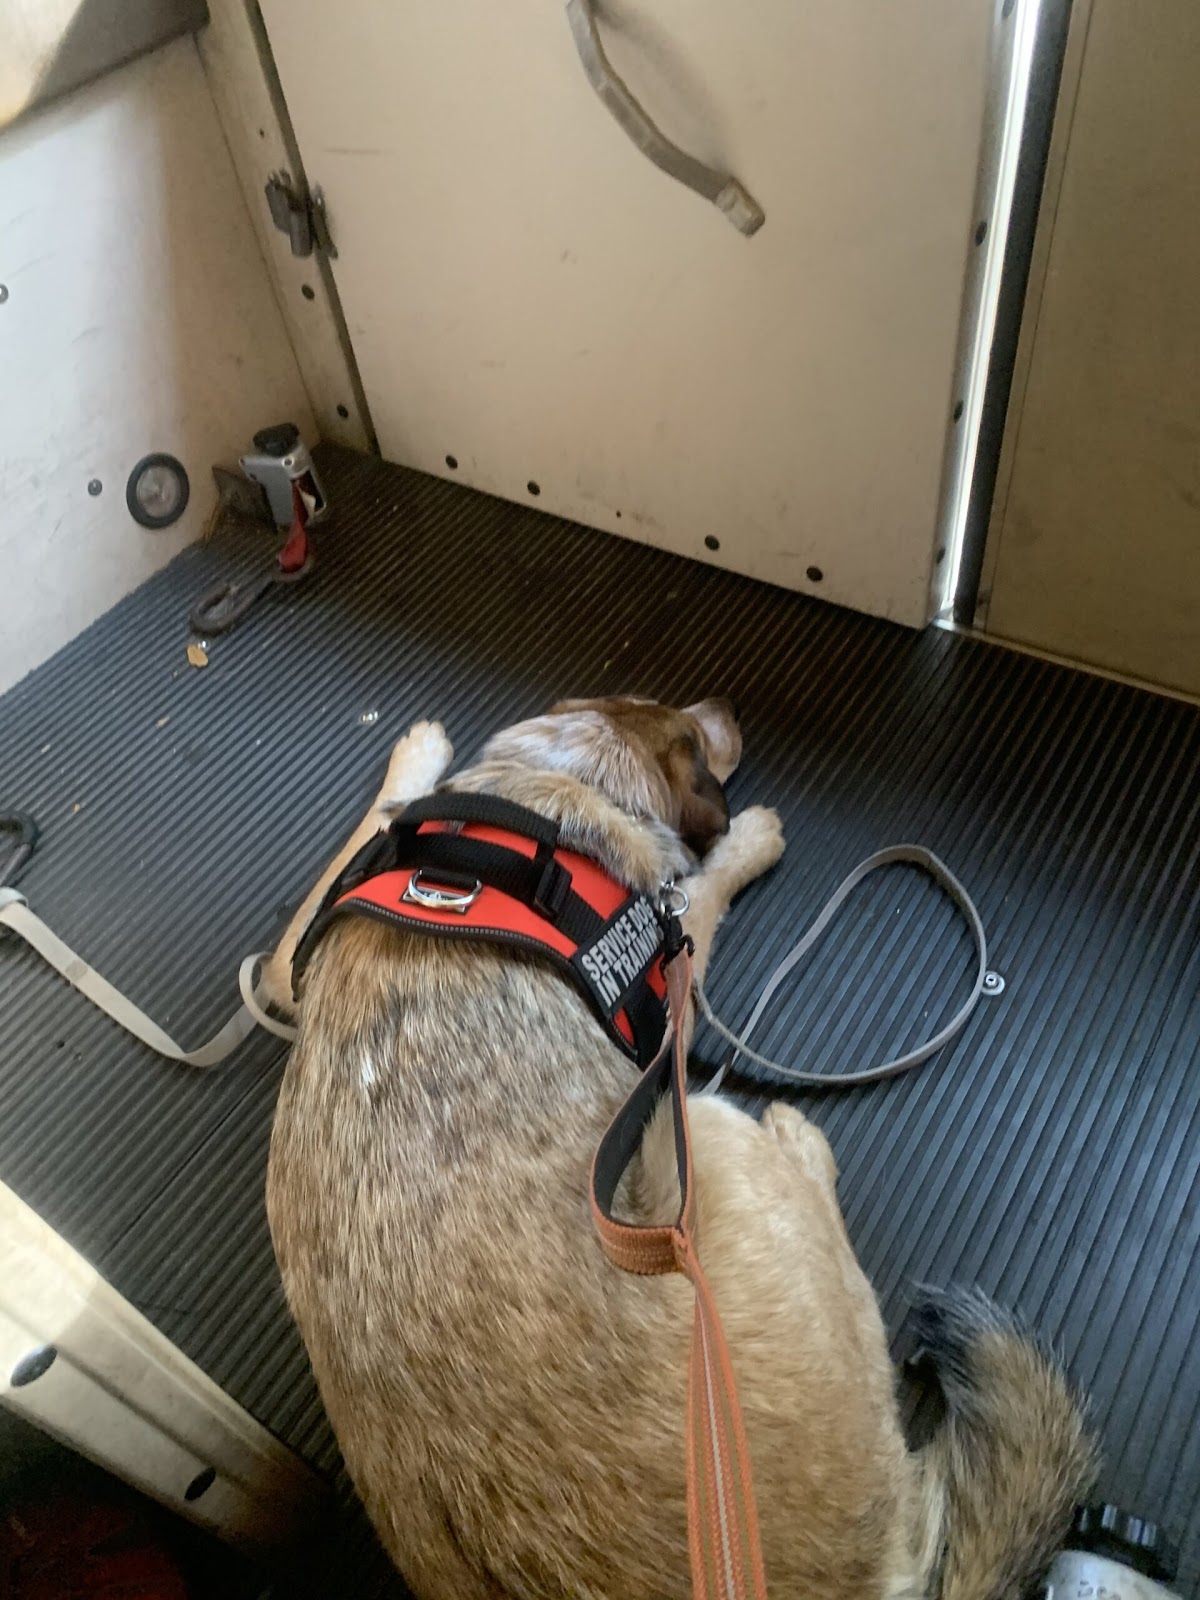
{"x":723,"y":1537}
{"x":551,"y":883}
{"x":457,"y":805}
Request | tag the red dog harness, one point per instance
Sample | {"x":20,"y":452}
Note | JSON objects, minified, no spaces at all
{"x":474,"y":867}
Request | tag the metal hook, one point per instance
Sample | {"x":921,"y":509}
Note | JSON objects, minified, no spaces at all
{"x":672,"y":900}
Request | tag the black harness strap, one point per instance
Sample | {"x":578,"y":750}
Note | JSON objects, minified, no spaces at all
{"x":537,"y":881}
{"x":613,"y":956}
{"x":661,"y":1076}
{"x":489,"y":811}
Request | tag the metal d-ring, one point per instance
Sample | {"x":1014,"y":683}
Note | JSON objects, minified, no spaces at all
{"x":672,"y":900}
{"x":443,"y":898}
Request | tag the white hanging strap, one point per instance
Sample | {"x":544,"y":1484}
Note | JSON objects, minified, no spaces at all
{"x":914,"y":855}
{"x":15,"y":914}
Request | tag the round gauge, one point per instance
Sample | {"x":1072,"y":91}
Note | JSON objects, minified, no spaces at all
{"x":157,"y":491}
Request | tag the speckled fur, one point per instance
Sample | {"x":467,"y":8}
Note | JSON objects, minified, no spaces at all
{"x":509,"y":1405}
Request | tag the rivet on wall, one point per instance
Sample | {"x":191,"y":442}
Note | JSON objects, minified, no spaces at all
{"x":31,"y":1367}
{"x":202,"y":1481}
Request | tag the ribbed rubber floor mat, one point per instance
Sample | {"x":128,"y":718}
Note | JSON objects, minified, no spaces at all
{"x":1051,"y":1155}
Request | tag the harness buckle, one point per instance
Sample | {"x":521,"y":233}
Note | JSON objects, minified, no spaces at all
{"x":446,"y":892}
{"x":553,"y":887}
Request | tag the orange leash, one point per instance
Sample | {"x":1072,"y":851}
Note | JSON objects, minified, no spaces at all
{"x":723,"y":1537}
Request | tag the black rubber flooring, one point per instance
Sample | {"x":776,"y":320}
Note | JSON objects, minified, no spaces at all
{"x":1051,"y":1155}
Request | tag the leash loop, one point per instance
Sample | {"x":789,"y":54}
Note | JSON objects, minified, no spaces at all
{"x":914,"y":855}
{"x":224,"y":606}
{"x":16,"y":915}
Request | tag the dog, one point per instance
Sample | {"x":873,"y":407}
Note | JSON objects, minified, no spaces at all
{"x":510,"y":1407}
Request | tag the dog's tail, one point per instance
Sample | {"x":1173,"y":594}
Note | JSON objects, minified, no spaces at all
{"x":1010,"y":1460}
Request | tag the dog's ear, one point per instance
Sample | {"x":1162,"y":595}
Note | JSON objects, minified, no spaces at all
{"x":718,"y":723}
{"x":703,"y":809}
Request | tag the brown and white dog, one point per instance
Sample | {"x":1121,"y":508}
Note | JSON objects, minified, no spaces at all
{"x":511,"y":1407}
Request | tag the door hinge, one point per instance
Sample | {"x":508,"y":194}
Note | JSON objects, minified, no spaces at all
{"x":300,"y":213}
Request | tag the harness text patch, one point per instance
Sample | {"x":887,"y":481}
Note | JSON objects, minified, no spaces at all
{"x":622,"y":952}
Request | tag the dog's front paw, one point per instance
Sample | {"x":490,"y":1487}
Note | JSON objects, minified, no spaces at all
{"x":752,"y":846}
{"x":759,"y":829}
{"x":418,"y":764}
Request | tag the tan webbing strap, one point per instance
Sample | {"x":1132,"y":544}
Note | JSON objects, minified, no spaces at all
{"x":723,"y":1537}
{"x":16,"y":915}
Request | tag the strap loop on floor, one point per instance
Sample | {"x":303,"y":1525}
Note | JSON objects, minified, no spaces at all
{"x":15,"y":914}
{"x":913,"y":855}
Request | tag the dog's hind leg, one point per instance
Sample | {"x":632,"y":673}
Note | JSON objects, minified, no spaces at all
{"x":752,"y":846}
{"x":420,"y":1537}
{"x":418,"y":763}
{"x":804,"y":1143}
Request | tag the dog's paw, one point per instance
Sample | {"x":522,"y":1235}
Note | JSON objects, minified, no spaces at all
{"x":801,"y":1140}
{"x":752,"y":846}
{"x":418,"y":763}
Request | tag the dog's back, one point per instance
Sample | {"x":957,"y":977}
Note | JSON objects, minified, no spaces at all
{"x":509,"y":1406}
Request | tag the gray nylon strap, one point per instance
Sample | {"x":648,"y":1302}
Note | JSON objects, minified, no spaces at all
{"x":16,"y":915}
{"x":914,"y":855}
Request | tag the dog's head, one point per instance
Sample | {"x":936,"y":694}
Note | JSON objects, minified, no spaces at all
{"x":649,"y":759}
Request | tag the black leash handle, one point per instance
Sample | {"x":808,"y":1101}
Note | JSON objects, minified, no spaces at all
{"x":224,"y":606}
{"x":25,"y":831}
